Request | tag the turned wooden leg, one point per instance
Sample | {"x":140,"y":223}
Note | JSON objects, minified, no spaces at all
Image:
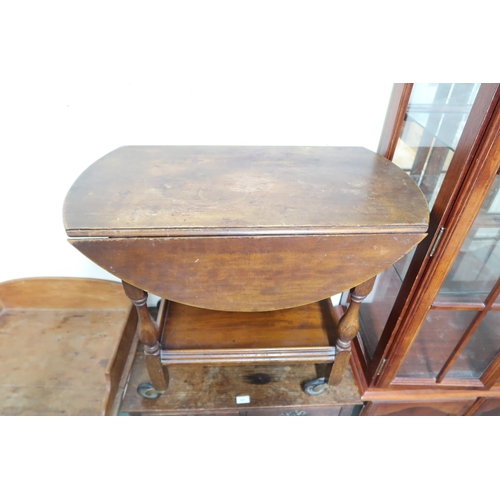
{"x":348,"y":328}
{"x":149,"y":335}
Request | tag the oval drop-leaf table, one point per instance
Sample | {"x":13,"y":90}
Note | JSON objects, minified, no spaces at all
{"x":244,"y":229}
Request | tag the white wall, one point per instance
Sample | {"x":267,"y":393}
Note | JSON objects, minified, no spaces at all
{"x":79,"y":82}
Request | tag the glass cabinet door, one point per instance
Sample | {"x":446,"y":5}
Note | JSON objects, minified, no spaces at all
{"x":433,"y":124}
{"x":460,"y":336}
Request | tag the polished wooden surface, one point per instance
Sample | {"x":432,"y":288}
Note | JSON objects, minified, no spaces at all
{"x":348,"y":328}
{"x":64,"y":343}
{"x":192,"y":335}
{"x":311,"y":325}
{"x":248,"y":273}
{"x":223,"y":190}
{"x":244,"y":228}
{"x":149,"y":335}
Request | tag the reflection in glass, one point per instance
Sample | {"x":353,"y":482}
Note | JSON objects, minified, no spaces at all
{"x":480,"y":350}
{"x":435,"y":120}
{"x":438,"y":336}
{"x":477,"y":267}
{"x":372,"y":316}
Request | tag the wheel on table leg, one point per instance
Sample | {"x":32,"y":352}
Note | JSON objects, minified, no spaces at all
{"x":315,"y":387}
{"x":146,"y":390}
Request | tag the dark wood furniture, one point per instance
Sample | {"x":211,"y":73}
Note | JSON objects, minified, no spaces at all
{"x":64,"y":344}
{"x":430,"y":333}
{"x":246,"y":244}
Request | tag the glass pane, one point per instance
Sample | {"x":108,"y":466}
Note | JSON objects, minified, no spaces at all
{"x":435,"y":342}
{"x":480,"y":350}
{"x":434,"y":122}
{"x":477,"y":266}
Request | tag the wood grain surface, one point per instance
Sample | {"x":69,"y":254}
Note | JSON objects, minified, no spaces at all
{"x":63,"y":345}
{"x":221,"y":190}
{"x":212,"y":390}
{"x":62,"y":293}
{"x":248,"y":273}
{"x":192,"y":327}
{"x":192,"y":335}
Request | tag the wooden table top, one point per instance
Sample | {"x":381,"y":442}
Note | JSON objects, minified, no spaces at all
{"x":63,"y":345}
{"x":243,"y":190}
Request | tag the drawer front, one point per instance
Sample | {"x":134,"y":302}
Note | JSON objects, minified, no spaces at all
{"x":303,"y":411}
{"x":417,"y":408}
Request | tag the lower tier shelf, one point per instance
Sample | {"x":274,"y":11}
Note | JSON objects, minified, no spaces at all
{"x":191,"y":335}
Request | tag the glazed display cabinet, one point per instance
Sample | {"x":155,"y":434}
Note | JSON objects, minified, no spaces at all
{"x":429,"y":341}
